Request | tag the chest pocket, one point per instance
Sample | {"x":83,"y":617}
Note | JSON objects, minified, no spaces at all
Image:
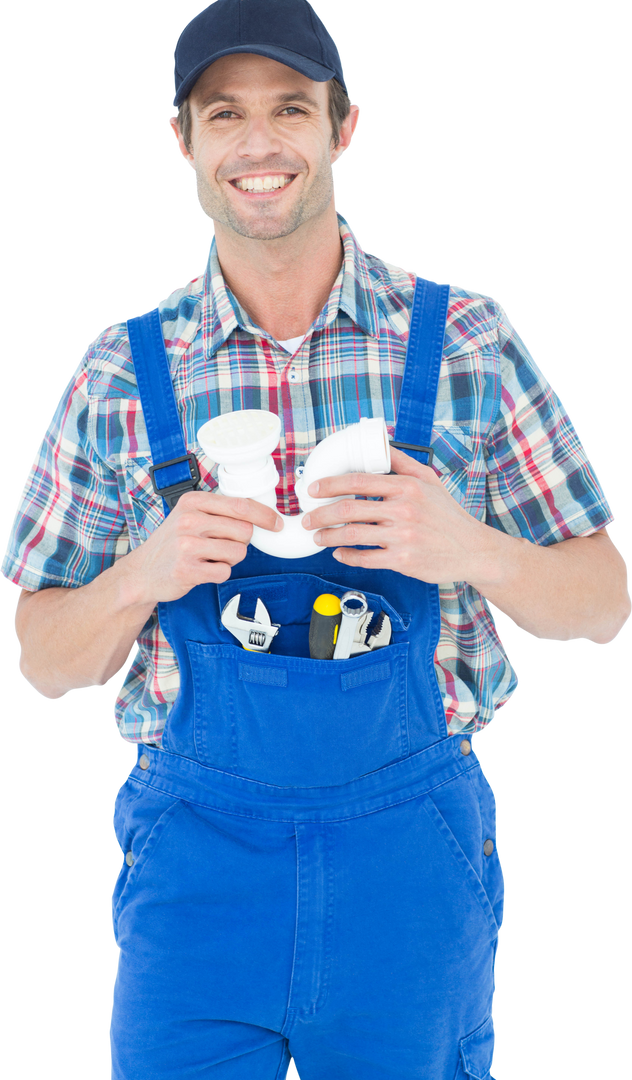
{"x":144,"y":505}
{"x":453,"y":454}
{"x":283,"y":718}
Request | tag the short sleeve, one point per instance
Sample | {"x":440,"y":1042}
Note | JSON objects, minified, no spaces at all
{"x":540,"y":484}
{"x":69,"y":527}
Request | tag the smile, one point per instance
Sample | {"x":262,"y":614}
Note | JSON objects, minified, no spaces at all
{"x":263,"y":184}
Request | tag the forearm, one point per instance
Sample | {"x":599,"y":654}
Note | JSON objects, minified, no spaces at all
{"x":80,"y":637}
{"x":576,"y":588}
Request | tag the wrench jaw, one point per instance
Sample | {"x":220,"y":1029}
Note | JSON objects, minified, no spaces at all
{"x":255,"y":635}
{"x":382,"y":632}
{"x":359,"y":645}
{"x":380,"y":637}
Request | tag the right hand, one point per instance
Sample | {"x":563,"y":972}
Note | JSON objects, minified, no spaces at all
{"x":200,"y":540}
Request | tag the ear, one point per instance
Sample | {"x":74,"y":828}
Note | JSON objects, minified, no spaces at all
{"x":348,"y":130}
{"x":181,"y":143}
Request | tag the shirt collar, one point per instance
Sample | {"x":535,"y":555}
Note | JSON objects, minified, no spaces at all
{"x":352,"y":292}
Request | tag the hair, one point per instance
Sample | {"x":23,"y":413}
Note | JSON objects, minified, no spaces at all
{"x":339,"y":108}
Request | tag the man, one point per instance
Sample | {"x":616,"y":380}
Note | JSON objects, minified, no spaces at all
{"x":378,"y":959}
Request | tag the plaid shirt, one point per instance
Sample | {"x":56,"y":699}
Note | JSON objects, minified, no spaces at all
{"x":504,"y":448}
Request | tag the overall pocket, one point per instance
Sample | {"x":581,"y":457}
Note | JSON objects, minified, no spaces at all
{"x":467,"y":829}
{"x":141,"y":816}
{"x":283,"y":718}
{"x":478,"y":1052}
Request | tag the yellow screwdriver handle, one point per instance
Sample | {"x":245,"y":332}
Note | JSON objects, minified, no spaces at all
{"x":324,"y":626}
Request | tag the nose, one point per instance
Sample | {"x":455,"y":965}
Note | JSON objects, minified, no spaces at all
{"x":259,"y":140}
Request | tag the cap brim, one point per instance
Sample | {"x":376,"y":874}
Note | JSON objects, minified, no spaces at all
{"x":309,"y":68}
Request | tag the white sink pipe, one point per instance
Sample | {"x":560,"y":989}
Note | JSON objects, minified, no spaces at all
{"x":242,"y":444}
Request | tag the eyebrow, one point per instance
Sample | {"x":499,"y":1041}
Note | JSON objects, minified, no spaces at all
{"x":282,"y":99}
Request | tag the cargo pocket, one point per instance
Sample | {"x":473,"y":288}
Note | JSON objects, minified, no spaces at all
{"x":476,"y":1052}
{"x":285,"y":719}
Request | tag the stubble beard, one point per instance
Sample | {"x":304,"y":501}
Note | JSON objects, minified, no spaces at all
{"x":266,"y":225}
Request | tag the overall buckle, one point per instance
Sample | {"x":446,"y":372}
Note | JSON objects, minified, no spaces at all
{"x":172,"y":493}
{"x":409,"y":446}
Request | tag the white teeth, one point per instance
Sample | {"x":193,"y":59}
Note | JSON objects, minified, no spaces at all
{"x":262,"y":183}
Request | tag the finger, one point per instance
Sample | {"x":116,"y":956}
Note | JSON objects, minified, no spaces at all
{"x":199,"y":550}
{"x":339,"y":513}
{"x":354,"y":535}
{"x":211,"y":502}
{"x":376,"y":559}
{"x":372,"y":483}
{"x":404,"y":465}
{"x":258,"y":514}
{"x":355,"y":484}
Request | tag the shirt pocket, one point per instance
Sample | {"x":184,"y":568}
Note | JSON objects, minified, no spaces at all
{"x":286,"y":719}
{"x":144,"y":506}
{"x":453,"y":459}
{"x":145,"y":509}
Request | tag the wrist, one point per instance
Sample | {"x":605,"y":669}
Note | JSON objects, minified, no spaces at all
{"x":501,"y":561}
{"x":130,"y":586}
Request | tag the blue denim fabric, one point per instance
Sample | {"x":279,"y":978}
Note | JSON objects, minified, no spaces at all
{"x":305,"y":869}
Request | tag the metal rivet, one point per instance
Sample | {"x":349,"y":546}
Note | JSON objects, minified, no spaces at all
{"x":466,"y":747}
{"x":488,"y":847}
{"x":143,"y":761}
{"x":129,"y":859}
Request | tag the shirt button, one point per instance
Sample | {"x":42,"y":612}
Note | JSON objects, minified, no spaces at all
{"x":143,"y":761}
{"x":129,"y":859}
{"x":466,"y":747}
{"x":488,"y":847}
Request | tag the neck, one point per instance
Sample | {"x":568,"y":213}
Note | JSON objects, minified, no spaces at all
{"x":283,"y":284}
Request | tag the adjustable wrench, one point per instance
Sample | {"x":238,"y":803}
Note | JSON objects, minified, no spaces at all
{"x":256,"y":634}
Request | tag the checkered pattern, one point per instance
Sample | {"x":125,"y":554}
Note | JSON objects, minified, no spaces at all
{"x":504,"y":448}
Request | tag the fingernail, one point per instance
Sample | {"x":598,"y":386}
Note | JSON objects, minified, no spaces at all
{"x":279,"y":523}
{"x":336,"y":555}
{"x":313,"y":488}
{"x":307,"y":521}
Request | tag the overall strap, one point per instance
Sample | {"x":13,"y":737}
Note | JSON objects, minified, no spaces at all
{"x":418,"y":394}
{"x":178,"y":470}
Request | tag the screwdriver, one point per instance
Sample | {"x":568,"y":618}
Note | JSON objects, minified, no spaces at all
{"x":324,"y":626}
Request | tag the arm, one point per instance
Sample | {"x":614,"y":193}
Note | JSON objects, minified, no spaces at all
{"x":576,"y":588}
{"x":541,"y":487}
{"x":77,"y":637}
{"x":81,"y":637}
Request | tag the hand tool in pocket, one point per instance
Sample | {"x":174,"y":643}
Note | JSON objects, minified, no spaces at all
{"x":355,"y":617}
{"x":254,"y":634}
{"x":324,"y":630}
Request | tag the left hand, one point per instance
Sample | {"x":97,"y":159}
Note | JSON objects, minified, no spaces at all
{"x":420,"y":530}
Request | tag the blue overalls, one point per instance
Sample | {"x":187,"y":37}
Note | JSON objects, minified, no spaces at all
{"x":310,"y":865}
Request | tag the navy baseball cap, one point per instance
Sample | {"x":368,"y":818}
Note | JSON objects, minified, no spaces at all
{"x":285,"y":30}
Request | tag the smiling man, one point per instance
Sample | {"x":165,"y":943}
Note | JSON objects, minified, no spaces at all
{"x":265,"y":138}
{"x":309,"y":857}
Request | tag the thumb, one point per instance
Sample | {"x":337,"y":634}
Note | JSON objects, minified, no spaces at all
{"x":405,"y":465}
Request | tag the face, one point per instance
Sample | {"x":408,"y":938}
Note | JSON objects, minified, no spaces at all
{"x":262,"y":149}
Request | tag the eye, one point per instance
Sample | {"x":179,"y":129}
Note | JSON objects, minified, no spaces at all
{"x":228,"y":112}
{"x":293,"y":110}
{"x":225,"y":114}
